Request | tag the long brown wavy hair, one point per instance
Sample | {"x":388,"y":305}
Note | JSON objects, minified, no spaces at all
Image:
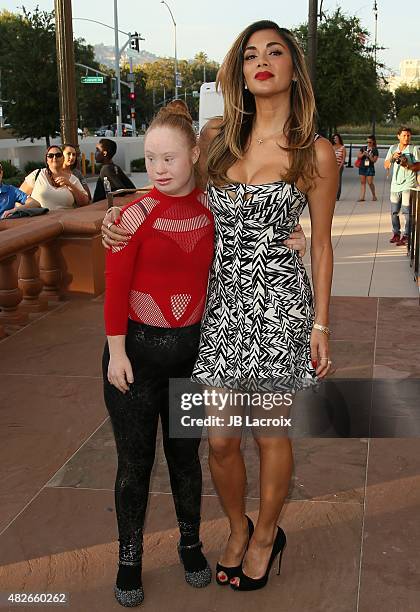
{"x":239,"y":111}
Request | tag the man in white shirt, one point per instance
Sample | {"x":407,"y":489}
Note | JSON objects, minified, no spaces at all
{"x":402,"y":157}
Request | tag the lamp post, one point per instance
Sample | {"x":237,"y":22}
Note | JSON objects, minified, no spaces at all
{"x":176,"y":59}
{"x":375,"y":13}
{"x":117,"y":72}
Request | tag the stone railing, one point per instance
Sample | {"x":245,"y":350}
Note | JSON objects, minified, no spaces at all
{"x":43,"y":258}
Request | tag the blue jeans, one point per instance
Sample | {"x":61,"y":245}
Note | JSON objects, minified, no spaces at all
{"x":400,"y":201}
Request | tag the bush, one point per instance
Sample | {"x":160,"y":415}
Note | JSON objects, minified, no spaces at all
{"x":32,"y":165}
{"x":16,"y":180}
{"x":138,"y":165}
{"x":9,"y":170}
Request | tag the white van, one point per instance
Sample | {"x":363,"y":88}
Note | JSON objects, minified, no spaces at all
{"x":211,"y":103}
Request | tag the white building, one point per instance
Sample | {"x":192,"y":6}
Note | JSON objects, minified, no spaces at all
{"x":409,"y":74}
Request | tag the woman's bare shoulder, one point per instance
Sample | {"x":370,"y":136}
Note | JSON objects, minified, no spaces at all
{"x":324,"y":151}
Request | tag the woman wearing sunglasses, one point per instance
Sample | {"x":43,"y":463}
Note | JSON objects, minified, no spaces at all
{"x":52,"y":186}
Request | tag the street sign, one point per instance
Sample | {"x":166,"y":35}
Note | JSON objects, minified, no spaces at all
{"x":92,"y":79}
{"x":178,"y":79}
{"x":195,"y":94}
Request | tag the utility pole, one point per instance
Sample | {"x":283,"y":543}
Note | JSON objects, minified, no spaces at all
{"x":117,"y":72}
{"x":312,"y":39}
{"x":375,"y":13}
{"x":66,"y":71}
{"x":177,"y":76}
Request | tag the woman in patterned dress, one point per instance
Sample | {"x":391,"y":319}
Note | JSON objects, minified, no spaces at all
{"x":264,"y":166}
{"x":265,"y":163}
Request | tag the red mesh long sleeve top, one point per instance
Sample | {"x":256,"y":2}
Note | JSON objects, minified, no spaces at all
{"x":160,"y":276}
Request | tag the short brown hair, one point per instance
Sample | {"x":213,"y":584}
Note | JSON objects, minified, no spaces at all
{"x":404,"y":128}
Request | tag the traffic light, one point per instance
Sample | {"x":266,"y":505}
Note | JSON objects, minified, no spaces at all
{"x":134,"y":42}
{"x":132,"y":97}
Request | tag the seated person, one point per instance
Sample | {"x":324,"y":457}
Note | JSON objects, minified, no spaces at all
{"x":10,"y":196}
{"x":105,"y":151}
{"x":54,"y":187}
{"x":70,"y":166}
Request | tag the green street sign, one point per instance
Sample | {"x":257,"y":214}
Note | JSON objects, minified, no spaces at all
{"x":92,"y":79}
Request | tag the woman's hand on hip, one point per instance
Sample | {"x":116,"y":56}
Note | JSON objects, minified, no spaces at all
{"x":320,"y":353}
{"x":112,"y":234}
{"x":120,"y":372}
{"x":297,"y":240}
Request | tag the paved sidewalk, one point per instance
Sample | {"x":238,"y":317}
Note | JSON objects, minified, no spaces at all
{"x":365,"y":263}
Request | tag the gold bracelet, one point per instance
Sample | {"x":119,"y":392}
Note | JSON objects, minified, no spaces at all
{"x":325,"y":330}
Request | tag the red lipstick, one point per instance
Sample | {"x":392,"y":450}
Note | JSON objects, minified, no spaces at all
{"x":263,"y":76}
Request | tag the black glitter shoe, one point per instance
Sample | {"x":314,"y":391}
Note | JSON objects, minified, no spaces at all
{"x":128,"y":589}
{"x":197,"y":570}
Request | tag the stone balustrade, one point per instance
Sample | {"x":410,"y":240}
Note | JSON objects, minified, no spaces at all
{"x":43,"y":258}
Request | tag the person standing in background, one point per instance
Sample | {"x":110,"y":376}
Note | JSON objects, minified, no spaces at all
{"x":368,"y":156}
{"x":402,"y":158}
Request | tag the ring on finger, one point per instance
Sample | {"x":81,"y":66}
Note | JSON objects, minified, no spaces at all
{"x":108,"y":225}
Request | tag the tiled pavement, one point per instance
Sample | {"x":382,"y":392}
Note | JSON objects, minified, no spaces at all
{"x":352,"y":512}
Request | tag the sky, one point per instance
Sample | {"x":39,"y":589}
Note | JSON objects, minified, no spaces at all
{"x":212,"y":25}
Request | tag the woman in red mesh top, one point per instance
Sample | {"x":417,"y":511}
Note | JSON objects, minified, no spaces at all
{"x":156,"y":284}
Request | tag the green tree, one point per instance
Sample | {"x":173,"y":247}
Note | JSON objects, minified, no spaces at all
{"x":29,"y":79}
{"x":347,"y":86}
{"x":159,"y":80}
{"x":94,"y":101}
{"x":407,"y":103}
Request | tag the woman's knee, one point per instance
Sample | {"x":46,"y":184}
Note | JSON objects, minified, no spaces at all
{"x":224,"y":448}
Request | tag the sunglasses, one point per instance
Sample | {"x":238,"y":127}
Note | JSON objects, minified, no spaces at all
{"x":56,"y":155}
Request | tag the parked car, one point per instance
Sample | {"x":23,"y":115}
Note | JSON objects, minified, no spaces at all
{"x":127,"y":129}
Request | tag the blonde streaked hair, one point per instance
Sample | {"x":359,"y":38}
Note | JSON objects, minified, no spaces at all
{"x":239,"y":111}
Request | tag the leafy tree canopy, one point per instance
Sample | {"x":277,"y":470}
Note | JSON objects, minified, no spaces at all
{"x":348,"y":88}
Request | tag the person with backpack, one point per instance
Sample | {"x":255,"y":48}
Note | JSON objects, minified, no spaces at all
{"x":402,"y":158}
{"x":105,"y":151}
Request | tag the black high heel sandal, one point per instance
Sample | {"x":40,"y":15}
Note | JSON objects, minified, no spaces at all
{"x":252,"y":584}
{"x":231,"y":572}
{"x":197,"y":570}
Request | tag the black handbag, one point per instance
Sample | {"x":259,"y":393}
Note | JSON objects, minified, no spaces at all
{"x":28,"y":212}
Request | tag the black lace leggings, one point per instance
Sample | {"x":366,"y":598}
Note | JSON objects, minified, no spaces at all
{"x":156,"y":354}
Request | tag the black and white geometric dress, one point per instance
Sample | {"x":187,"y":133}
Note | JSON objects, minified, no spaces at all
{"x":259,"y":313}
